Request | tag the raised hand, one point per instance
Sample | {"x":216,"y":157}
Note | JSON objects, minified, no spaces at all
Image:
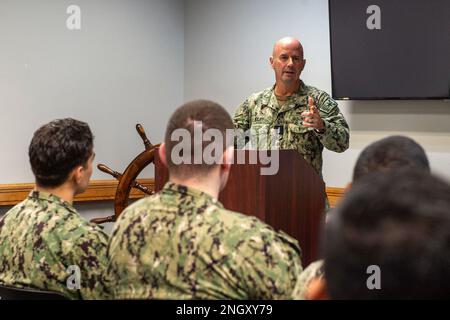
{"x":311,"y":118}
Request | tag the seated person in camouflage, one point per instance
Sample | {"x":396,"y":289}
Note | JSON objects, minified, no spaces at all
{"x":390,"y":239}
{"x":391,"y":153}
{"x":44,"y":243}
{"x":306,"y":119}
{"x":181,"y":243}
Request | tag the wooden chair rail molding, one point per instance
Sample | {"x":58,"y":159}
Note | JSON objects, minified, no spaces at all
{"x":101,"y":190}
{"x":335,"y":195}
{"x":98,"y":190}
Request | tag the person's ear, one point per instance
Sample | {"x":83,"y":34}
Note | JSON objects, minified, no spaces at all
{"x":162,"y":154}
{"x":225,"y":166}
{"x":348,"y":187}
{"x":76,"y":175}
{"x":317,"y":289}
{"x":227,"y":159}
{"x":304,"y":63}
{"x":271,"y":61}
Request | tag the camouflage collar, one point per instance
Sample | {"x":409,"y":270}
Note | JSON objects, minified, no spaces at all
{"x":45,"y":196}
{"x":302,"y":88}
{"x":269,"y":99}
{"x":300,"y":92}
{"x":171,"y":187}
{"x":269,"y":94}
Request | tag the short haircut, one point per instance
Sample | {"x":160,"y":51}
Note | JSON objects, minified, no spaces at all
{"x":395,"y":152}
{"x":57,"y":148}
{"x":212,"y":116}
{"x":398,"y":221}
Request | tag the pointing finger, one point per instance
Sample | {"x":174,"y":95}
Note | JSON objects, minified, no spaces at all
{"x":311,"y":104}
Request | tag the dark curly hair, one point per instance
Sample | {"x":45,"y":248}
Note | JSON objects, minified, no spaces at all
{"x":399,"y":221}
{"x":57,"y":148}
{"x":391,"y":153}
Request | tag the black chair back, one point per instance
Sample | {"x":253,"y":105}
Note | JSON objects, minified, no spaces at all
{"x":12,"y":293}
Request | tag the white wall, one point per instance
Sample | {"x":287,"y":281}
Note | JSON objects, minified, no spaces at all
{"x":124,"y":66}
{"x":227,"y":45}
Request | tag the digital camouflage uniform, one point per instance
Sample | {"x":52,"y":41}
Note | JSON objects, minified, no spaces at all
{"x":182,"y":244}
{"x":262,"y":113}
{"x":313,"y":271}
{"x":41,"y":237}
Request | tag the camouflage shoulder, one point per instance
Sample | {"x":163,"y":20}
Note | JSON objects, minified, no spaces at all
{"x":260,"y":228}
{"x":291,"y":241}
{"x":313,"y":271}
{"x":138,"y":206}
{"x":323,"y":100}
{"x":77,"y":220}
{"x":85,"y":234}
{"x":263,"y":95}
{"x":11,"y":212}
{"x":246,"y":221}
{"x":131,"y":216}
{"x":314,"y":92}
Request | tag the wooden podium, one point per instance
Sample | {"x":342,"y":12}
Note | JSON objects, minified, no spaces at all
{"x":293,"y":200}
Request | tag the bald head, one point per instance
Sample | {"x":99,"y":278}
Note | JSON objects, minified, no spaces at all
{"x":288,"y":63}
{"x":287,"y":42}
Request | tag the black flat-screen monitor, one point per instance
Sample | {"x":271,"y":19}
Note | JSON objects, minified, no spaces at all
{"x":390,"y":49}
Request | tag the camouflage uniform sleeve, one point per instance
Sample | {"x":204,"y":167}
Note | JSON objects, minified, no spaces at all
{"x":272,"y":265}
{"x":336,"y":136}
{"x":89,"y":253}
{"x":313,"y":271}
{"x":241,"y":122}
{"x":241,"y":117}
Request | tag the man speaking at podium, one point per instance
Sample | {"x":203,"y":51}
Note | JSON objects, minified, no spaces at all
{"x":305,"y":118}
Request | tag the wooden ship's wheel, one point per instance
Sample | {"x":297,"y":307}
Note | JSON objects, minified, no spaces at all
{"x":127,"y":179}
